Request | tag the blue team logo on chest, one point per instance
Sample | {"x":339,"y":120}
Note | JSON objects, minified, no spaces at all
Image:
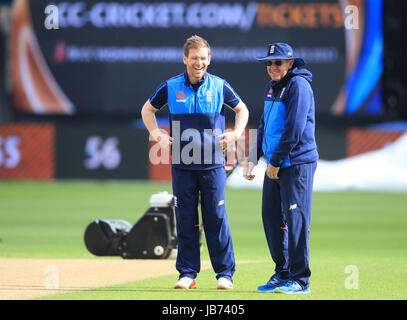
{"x":209,"y":96}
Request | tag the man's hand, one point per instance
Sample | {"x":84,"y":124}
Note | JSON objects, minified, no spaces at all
{"x":247,"y":170}
{"x":272,"y":172}
{"x":163,"y":139}
{"x":241,"y":118}
{"x":227,"y":139}
{"x":149,"y":120}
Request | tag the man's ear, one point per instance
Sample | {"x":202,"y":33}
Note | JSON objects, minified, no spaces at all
{"x":290,"y":63}
{"x":184,"y":59}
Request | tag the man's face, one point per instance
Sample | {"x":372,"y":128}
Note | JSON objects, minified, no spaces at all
{"x":277,"y":69}
{"x":197,"y":62}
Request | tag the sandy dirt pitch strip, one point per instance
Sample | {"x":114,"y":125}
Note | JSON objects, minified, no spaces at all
{"x":22,"y":279}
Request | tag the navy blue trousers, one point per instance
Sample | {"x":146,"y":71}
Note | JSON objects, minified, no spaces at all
{"x":286,"y":212}
{"x":210,"y":185}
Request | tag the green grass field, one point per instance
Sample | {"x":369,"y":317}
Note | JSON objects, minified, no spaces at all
{"x":363,"y":231}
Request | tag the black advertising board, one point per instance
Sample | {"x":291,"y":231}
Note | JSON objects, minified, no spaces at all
{"x":101,"y":152}
{"x":109,"y":57}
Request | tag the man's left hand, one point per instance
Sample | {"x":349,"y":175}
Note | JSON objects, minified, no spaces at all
{"x":227,"y":139}
{"x":272,"y":171}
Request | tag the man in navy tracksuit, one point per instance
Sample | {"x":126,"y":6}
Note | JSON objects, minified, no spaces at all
{"x":196,"y":101}
{"x":286,"y":137}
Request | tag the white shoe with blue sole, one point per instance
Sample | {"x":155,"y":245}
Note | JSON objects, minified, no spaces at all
{"x":292,"y":287}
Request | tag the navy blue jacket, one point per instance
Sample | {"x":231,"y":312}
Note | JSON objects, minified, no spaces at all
{"x":286,"y":135}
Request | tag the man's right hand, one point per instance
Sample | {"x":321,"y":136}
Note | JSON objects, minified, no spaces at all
{"x":247,"y":170}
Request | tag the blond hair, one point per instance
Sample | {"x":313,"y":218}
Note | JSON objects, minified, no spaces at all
{"x":196,"y":42}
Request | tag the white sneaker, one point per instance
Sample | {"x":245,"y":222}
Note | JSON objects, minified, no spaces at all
{"x":224,"y":283}
{"x":185,"y":283}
